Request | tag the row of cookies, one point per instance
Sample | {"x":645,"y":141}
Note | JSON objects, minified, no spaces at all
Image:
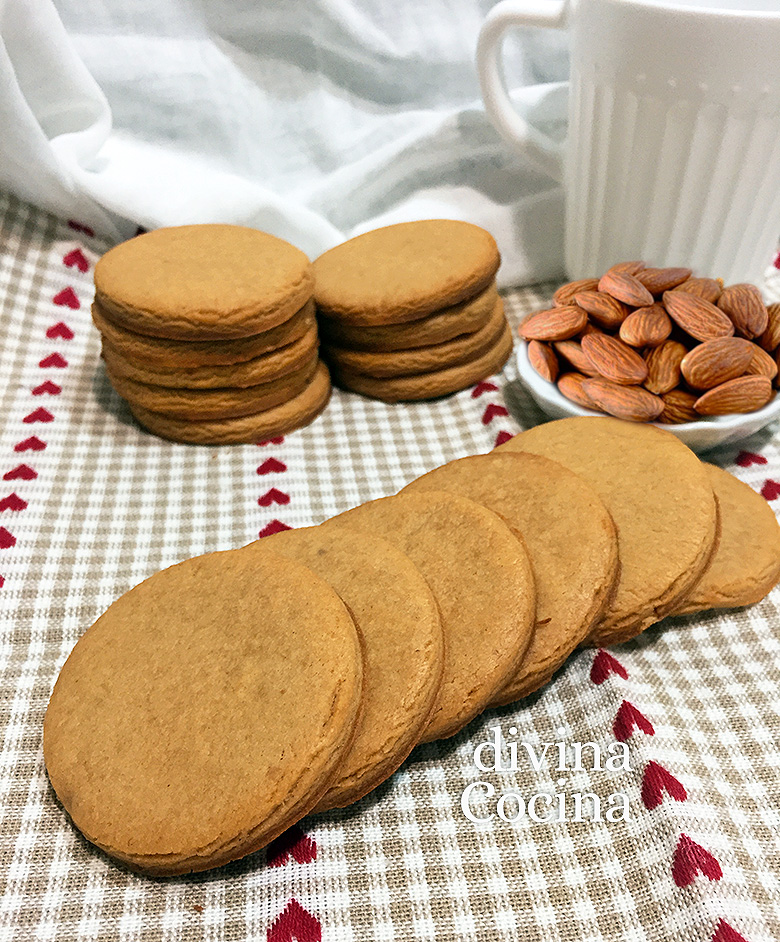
{"x":224,"y":698}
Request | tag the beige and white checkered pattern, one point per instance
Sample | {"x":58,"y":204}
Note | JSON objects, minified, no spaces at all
{"x":110,"y":504}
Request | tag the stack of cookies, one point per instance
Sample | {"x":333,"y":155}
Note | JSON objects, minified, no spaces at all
{"x":411,"y":311}
{"x":209,"y":333}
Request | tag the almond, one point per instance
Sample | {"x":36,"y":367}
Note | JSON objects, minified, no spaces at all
{"x":570,"y":385}
{"x":746,"y":308}
{"x":696,"y":316}
{"x":646,"y":327}
{"x":565,"y":294}
{"x":678,"y":407}
{"x":744,"y":394}
{"x":716,"y":361}
{"x":543,"y":360}
{"x":573,"y":352}
{"x":708,"y":289}
{"x":624,"y":402}
{"x":658,"y":280}
{"x":777,"y":361}
{"x":663,"y":366}
{"x":630,"y":267}
{"x":624,"y":287}
{"x":614,"y":359}
{"x":762,"y":364}
{"x":559,"y":323}
{"x":604,"y":310}
{"x":770,"y":339}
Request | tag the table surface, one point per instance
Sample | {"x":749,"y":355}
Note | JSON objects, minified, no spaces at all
{"x":90,"y":505}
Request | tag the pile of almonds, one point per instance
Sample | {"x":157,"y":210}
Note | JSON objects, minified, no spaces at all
{"x":657,"y":345}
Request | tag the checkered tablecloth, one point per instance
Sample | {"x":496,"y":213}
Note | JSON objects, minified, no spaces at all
{"x":90,"y":505}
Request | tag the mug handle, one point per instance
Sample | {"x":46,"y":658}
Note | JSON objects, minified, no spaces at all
{"x":505,"y":15}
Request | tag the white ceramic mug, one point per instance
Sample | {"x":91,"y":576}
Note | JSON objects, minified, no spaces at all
{"x":673,"y":151}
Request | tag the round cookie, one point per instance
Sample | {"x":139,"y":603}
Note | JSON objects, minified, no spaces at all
{"x":571,"y":542}
{"x":404,"y":272}
{"x":204,"y":712}
{"x":428,"y":385}
{"x":260,"y":370}
{"x":201,"y":404}
{"x":481,"y":577}
{"x":202,"y":282}
{"x":422,"y":359}
{"x":403,"y":646}
{"x":183,"y":354}
{"x":463,"y":318}
{"x":660,"y":499}
{"x":746,"y":562}
{"x":279,"y":420}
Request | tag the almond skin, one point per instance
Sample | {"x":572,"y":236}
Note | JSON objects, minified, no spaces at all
{"x":629,"y":267}
{"x":614,"y":359}
{"x":604,"y":310}
{"x":762,"y":364}
{"x":559,"y":323}
{"x":745,"y":306}
{"x":716,"y":361}
{"x":570,"y":385}
{"x":696,"y":316}
{"x":678,"y":407}
{"x":624,"y":287}
{"x":565,"y":294}
{"x":624,"y":402}
{"x":770,"y":339}
{"x":663,"y":366}
{"x":543,"y":360}
{"x":572,"y":351}
{"x":646,"y":327}
{"x":658,"y":280}
{"x":708,"y":289}
{"x":744,"y":394}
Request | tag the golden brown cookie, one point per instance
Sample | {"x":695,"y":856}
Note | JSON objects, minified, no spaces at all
{"x":462,"y":318}
{"x":571,"y":542}
{"x":403,"y":646}
{"x":184,"y":354}
{"x":422,"y":359}
{"x":746,"y":562}
{"x":202,"y":282}
{"x":260,"y":370}
{"x":205,"y":712}
{"x":404,"y":272}
{"x":202,"y":404}
{"x":428,"y":385}
{"x":661,"y":500}
{"x":481,"y":577}
{"x":278,"y":420}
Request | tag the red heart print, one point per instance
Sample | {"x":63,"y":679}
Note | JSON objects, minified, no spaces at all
{"x":690,"y":859}
{"x":22,"y":472}
{"x":271,"y":441}
{"x":59,"y":331}
{"x":67,"y":298}
{"x":483,"y":387}
{"x":47,"y":387}
{"x":7,"y":539}
{"x":80,"y":227}
{"x":777,"y":261}
{"x":272,"y":466}
{"x":2,"y":581}
{"x":724,"y":932}
{"x":53,"y":359}
{"x":656,"y":781}
{"x":295,"y":924}
{"x":75,"y":257}
{"x":771,"y":489}
{"x":745,"y":458}
{"x":273,"y":497}
{"x":605,"y":664}
{"x":30,"y":444}
{"x":38,"y":415}
{"x":502,"y":437}
{"x":275,"y":526}
{"x":293,"y":843}
{"x":491,"y":412}
{"x":628,"y":719}
{"x":13,"y":502}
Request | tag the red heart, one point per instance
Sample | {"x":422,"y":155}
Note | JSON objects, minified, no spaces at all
{"x":491,"y":412}
{"x":12,"y":502}
{"x":272,"y":466}
{"x":771,"y":489}
{"x":292,"y":843}
{"x":777,"y":261}
{"x":77,"y":258}
{"x":724,"y":932}
{"x":7,"y":540}
{"x":47,"y":387}
{"x":53,"y":359}
{"x":60,"y":330}
{"x":273,"y":497}
{"x":23,"y":472}
{"x":2,"y":581}
{"x":80,"y":227}
{"x":483,"y":387}
{"x":656,"y":781}
{"x":691,"y":858}
{"x":502,"y":437}
{"x":295,"y":924}
{"x":745,"y":458}
{"x":604,"y":665}
{"x":67,"y":298}
{"x":271,"y":441}
{"x":629,"y":718}
{"x":38,"y":415}
{"x":275,"y":526}
{"x":30,"y":444}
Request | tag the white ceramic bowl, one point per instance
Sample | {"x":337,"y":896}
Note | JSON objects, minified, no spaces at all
{"x":699,"y":436}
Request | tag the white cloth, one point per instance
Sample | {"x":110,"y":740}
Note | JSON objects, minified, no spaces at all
{"x":313,"y":119}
